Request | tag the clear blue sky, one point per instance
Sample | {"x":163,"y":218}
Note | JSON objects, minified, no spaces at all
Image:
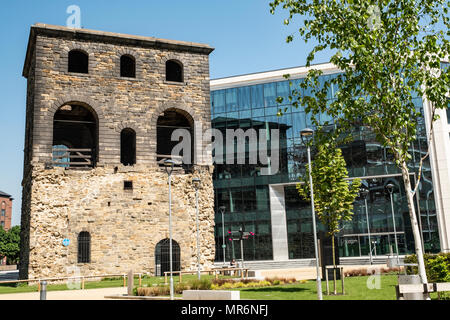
{"x":247,"y":39}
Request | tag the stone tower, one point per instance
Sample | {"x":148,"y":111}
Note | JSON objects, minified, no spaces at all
{"x":101,"y":110}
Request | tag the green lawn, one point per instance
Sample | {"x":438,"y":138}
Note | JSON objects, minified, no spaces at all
{"x":106,"y":283}
{"x":355,"y":287}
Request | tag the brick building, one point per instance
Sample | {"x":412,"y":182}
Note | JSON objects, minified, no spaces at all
{"x":101,"y":109}
{"x":5,"y":213}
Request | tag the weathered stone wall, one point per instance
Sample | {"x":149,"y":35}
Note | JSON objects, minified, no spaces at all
{"x":118,"y":102}
{"x":125,"y":226}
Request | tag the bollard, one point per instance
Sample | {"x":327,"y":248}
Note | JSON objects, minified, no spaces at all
{"x":130,"y":283}
{"x":43,"y":290}
{"x":140,"y":280}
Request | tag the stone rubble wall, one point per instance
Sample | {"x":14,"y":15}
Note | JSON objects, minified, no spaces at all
{"x":125,"y":226}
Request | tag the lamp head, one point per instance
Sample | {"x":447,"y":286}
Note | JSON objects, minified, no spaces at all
{"x":364,"y":192}
{"x":169,"y":164}
{"x":306,"y":135}
{"x":196,"y":182}
{"x":390,"y":188}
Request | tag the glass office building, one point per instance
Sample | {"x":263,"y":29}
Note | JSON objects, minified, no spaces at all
{"x":270,"y":206}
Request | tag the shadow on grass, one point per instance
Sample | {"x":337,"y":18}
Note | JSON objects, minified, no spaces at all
{"x":278,"y":289}
{"x":9,"y":285}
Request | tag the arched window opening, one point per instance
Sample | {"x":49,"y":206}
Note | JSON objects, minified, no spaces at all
{"x":128,"y":147}
{"x":74,"y":137}
{"x":84,"y":247}
{"x":174,"y":71}
{"x":162,"y":257}
{"x":78,"y":62}
{"x":168,"y":122}
{"x":127,"y":67}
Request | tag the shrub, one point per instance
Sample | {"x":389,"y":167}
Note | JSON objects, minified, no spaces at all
{"x":203,"y":284}
{"x":264,"y":283}
{"x":153,"y":291}
{"x":181,"y":286}
{"x":280,"y":281}
{"x":364,"y":272}
{"x":437,"y":266}
{"x":291,"y":280}
{"x":227,"y":285}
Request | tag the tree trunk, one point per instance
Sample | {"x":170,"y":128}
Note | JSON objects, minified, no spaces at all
{"x":414,"y":223}
{"x":334,"y":263}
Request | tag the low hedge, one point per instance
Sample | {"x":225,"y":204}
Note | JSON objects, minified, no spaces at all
{"x":437,"y":266}
{"x":206,"y":284}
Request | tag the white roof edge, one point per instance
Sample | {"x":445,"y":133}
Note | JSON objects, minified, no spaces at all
{"x":269,"y":76}
{"x":274,"y":75}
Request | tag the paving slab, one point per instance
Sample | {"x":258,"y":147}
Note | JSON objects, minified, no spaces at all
{"x":88,"y":294}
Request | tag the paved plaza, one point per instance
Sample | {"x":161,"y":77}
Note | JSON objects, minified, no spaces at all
{"x":88,"y":294}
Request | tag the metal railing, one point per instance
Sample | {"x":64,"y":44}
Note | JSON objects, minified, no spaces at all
{"x":215,"y":271}
{"x":123,"y":275}
{"x":160,"y":158}
{"x":81,"y":278}
{"x":70,"y":158}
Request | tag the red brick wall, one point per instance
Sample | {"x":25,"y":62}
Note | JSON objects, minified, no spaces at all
{"x":5,"y":220}
{"x":6,"y":204}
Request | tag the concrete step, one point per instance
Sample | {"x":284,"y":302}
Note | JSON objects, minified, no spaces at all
{"x":270,"y":264}
{"x":303,"y":263}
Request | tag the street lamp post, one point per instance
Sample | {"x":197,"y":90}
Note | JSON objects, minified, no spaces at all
{"x":241,"y":231}
{"x":196,"y":182}
{"x":390,"y":188}
{"x":169,"y":168}
{"x":364,"y":192}
{"x":222,"y":211}
{"x":306,"y":135}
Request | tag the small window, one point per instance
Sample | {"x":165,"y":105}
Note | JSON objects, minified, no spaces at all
{"x":84,"y":247}
{"x":3,"y":212}
{"x":78,"y":62}
{"x":128,"y":185}
{"x":174,"y":71}
{"x":127,"y":67}
{"x":128,"y":147}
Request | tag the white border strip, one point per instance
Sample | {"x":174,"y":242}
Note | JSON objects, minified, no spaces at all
{"x":269,"y":76}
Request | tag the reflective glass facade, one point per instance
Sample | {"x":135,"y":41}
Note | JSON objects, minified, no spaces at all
{"x":245,"y":193}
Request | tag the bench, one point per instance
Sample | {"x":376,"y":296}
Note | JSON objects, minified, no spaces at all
{"x":211,"y":295}
{"x":230,"y":270}
{"x":403,"y":289}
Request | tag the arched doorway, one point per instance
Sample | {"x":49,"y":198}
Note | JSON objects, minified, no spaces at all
{"x":162,"y":257}
{"x":75,"y":132}
{"x":170,"y":120}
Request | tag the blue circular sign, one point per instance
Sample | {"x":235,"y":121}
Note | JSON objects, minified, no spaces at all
{"x":66,"y":242}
